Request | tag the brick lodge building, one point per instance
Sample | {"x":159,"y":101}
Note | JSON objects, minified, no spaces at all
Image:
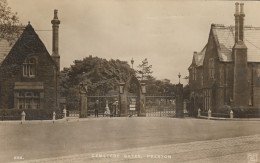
{"x":29,"y":75}
{"x":226,"y":72}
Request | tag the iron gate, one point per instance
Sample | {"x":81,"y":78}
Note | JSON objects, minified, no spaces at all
{"x":110,"y":101}
{"x":160,"y":106}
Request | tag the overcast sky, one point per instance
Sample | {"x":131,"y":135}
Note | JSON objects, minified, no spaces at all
{"x":163,"y":31}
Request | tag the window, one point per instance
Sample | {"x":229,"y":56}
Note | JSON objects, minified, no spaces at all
{"x":194,"y":73}
{"x":211,"y":68}
{"x":207,"y":99}
{"x":29,"y":68}
{"x":29,"y":100}
{"x":202,"y":79}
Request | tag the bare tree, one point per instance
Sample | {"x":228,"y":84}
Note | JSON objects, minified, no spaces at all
{"x":9,"y":22}
{"x":144,"y":70}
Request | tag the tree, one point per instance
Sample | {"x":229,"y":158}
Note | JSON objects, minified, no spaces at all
{"x":9,"y":22}
{"x":144,"y":70}
{"x":101,"y":76}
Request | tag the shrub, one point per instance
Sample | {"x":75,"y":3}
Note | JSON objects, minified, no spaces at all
{"x":246,"y":112}
{"x":225,"y":109}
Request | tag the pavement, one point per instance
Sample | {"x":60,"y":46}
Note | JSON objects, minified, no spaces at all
{"x":245,"y":149}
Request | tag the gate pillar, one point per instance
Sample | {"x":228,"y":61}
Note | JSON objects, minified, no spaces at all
{"x":123,"y":100}
{"x":179,"y":101}
{"x":142,"y":112}
{"x":83,"y":100}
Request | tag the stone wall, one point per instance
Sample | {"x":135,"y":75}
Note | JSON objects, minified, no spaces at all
{"x":46,"y":72}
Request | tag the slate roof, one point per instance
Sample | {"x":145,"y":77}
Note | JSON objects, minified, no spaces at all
{"x":225,"y":39}
{"x":28,"y":44}
{"x":198,"y":58}
{"x":6,"y":46}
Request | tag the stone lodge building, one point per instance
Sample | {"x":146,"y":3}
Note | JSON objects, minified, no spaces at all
{"x":227,"y":70}
{"x":29,"y":75}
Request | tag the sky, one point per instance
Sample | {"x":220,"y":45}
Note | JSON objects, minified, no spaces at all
{"x":165,"y":32}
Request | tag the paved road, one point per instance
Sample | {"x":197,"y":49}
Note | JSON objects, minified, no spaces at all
{"x":46,"y":140}
{"x":243,"y":149}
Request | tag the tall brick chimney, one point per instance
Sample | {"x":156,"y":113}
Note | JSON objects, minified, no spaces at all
{"x":55,"y":38}
{"x":236,"y":22}
{"x":55,"y":53}
{"x":241,"y":22}
{"x":240,"y":85}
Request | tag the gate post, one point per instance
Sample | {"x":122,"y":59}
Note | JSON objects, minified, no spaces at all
{"x":83,"y":100}
{"x":23,"y":116}
{"x":123,"y":100}
{"x":179,"y":101}
{"x":142,"y":112}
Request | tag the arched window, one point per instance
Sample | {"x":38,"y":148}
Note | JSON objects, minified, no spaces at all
{"x":29,"y":67}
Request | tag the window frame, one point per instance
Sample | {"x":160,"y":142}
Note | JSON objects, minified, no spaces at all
{"x":29,"y":68}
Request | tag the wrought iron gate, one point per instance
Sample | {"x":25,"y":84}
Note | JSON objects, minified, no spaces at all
{"x":160,"y":106}
{"x":109,"y":100}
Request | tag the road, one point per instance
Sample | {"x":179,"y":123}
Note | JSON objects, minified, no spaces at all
{"x":108,"y":135}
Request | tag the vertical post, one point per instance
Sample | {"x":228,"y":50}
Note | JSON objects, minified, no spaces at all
{"x":231,"y":114}
{"x":123,"y":100}
{"x":179,"y":101}
{"x":209,"y":113}
{"x":142,"y":112}
{"x":53,"y":116}
{"x":64,"y":113}
{"x":83,"y":100}
{"x":23,"y":116}
{"x":199,"y":112}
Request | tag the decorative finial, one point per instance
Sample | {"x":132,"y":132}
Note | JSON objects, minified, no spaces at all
{"x":29,"y":22}
{"x":55,"y":14}
{"x":132,"y":62}
{"x":179,"y":77}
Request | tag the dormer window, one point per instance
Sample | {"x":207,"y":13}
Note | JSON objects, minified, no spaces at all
{"x":29,"y":68}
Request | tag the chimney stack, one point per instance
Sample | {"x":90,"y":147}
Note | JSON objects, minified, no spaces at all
{"x":241,"y":22}
{"x":240,"y":83}
{"x":236,"y":22}
{"x":55,"y":53}
{"x":55,"y":34}
{"x":55,"y":38}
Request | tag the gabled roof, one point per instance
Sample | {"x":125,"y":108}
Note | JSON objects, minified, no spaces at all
{"x":198,"y":58}
{"x":225,"y":39}
{"x":28,"y":44}
{"x":6,"y":46}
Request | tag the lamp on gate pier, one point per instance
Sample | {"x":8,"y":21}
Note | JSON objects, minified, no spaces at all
{"x":121,"y":88}
{"x":83,"y":88}
{"x":132,"y":62}
{"x":143,"y":87}
{"x":179,"y":76}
